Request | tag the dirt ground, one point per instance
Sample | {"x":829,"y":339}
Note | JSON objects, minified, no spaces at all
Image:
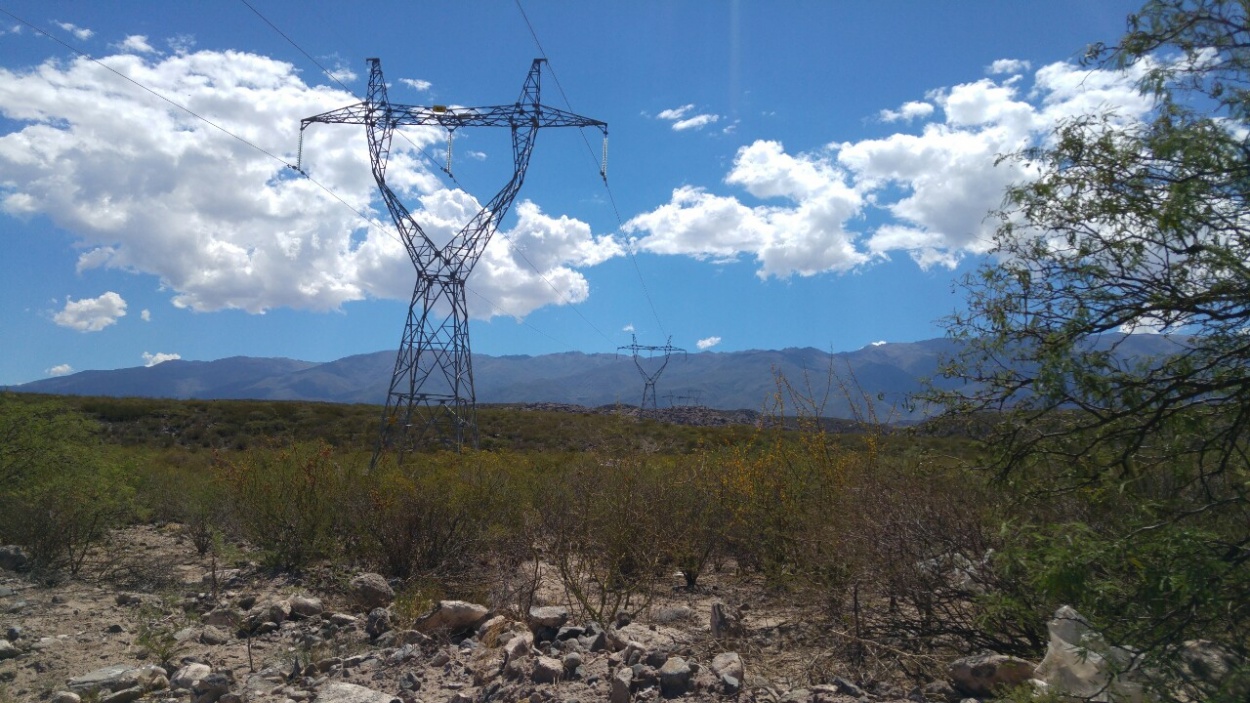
{"x":149,"y":599}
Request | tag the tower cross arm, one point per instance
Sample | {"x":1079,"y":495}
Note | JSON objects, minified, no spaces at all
{"x":352,"y":114}
{"x":456,"y":117}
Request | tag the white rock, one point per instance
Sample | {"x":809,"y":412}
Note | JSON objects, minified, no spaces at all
{"x":340,"y":692}
{"x":188,"y":675}
{"x":1079,"y":662}
{"x":451,"y":616}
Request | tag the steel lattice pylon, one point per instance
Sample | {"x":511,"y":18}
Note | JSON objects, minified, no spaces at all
{"x":431,"y":389}
{"x":650,"y":377}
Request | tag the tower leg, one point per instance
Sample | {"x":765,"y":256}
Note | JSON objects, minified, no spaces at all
{"x":431,"y":390}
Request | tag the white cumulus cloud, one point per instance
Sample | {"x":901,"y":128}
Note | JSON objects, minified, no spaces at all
{"x":925,"y":195}
{"x":342,"y":74}
{"x":150,"y":360}
{"x":416,"y":83}
{"x":909,"y":111}
{"x":91,"y":314}
{"x":150,"y":189}
{"x":675,"y":113}
{"x":696,"y":122}
{"x":1008,"y":66}
{"x":60,"y":370}
{"x":678,"y":116}
{"x":145,"y":315}
{"x":807,"y":235}
{"x":137,"y":44}
{"x":707,"y":342}
{"x":80,"y":33}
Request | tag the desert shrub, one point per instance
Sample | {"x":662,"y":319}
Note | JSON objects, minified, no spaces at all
{"x":778,"y":491}
{"x":696,"y":517}
{"x":923,"y":542}
{"x":289,"y":501}
{"x":433,"y":517}
{"x":59,"y":516}
{"x":60,"y":491}
{"x":602,"y":531}
{"x":187,"y":489}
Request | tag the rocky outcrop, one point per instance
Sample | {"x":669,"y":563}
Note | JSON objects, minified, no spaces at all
{"x":1081,"y":664}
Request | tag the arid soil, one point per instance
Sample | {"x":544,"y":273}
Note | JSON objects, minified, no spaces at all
{"x":148,"y":599}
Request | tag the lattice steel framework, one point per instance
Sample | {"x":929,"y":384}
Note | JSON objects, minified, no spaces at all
{"x":431,"y":391}
{"x":650,"y":377}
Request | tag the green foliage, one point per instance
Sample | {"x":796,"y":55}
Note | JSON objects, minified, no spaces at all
{"x":61,"y":492}
{"x":156,"y":637}
{"x":289,"y":501}
{"x":1136,"y":467}
{"x":431,"y":516}
{"x":602,"y":532}
{"x":36,"y":434}
{"x":696,"y":516}
{"x":809,"y":509}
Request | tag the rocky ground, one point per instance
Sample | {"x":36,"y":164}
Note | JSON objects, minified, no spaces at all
{"x":153,"y":621}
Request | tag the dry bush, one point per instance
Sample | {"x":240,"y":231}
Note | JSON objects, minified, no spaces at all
{"x":439,"y":516}
{"x":924,"y":542}
{"x":289,"y":501}
{"x":603,"y":532}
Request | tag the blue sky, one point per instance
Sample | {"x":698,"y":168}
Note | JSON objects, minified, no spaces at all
{"x":780,"y":174}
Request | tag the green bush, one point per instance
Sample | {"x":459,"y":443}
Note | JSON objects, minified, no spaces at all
{"x":289,"y":502}
{"x":603,"y":532}
{"x":60,"y":491}
{"x":434,"y":516}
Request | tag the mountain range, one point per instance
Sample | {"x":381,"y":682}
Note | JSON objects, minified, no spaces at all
{"x":885,"y":375}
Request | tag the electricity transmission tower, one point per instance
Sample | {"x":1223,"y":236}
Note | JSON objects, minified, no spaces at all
{"x":650,"y":377}
{"x":431,"y":389}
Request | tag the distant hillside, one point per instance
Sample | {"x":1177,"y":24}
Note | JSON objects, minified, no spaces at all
{"x":885,"y":375}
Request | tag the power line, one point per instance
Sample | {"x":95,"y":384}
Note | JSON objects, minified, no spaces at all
{"x":369,"y":221}
{"x":292,"y":42}
{"x":332,"y":76}
{"x":508,"y":240}
{"x":603,"y":169}
{"x":143,"y":87}
{"x":432,"y":389}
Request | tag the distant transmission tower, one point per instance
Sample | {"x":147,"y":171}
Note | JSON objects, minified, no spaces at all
{"x":431,"y":389}
{"x":650,"y":377}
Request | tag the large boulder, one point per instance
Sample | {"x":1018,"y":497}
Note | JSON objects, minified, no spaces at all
{"x":210,"y":689}
{"x":729,"y":670}
{"x":549,"y":616}
{"x":186,"y":677}
{"x":371,"y":591}
{"x":548,"y":670}
{"x":305,"y":607}
{"x":622,"y":682}
{"x":656,"y":637}
{"x":987,"y":674}
{"x":119,"y":677}
{"x":341,"y":692}
{"x":1080,"y":664}
{"x":452,"y":616}
{"x":675,"y":677}
{"x":13,"y":558}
